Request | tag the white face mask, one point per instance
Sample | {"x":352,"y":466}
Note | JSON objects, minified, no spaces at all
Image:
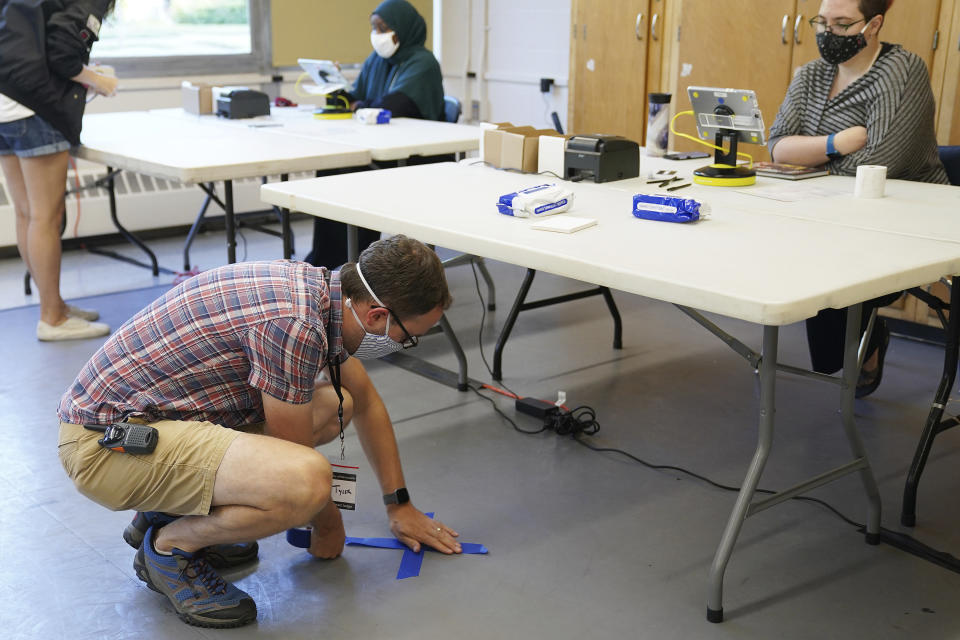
{"x":383,"y":43}
{"x":372,"y":345}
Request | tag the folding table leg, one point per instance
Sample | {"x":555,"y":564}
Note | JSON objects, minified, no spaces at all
{"x":768,"y":382}
{"x":617,"y":323}
{"x":195,"y":227}
{"x":933,"y":426}
{"x":230,"y":222}
{"x":285,"y":226}
{"x":848,"y":388}
{"x":458,"y":351}
{"x":132,"y":239}
{"x":491,"y":289}
{"x":510,"y":321}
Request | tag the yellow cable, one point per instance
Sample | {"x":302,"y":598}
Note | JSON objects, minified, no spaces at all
{"x":674,"y":131}
{"x":297,"y":91}
{"x":296,"y":87}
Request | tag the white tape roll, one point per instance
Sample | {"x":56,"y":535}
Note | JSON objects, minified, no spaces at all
{"x":871,"y":180}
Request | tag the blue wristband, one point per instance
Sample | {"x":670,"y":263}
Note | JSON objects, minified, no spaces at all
{"x":832,"y":152}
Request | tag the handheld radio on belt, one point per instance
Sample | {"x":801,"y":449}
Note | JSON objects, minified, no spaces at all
{"x":126,"y":437}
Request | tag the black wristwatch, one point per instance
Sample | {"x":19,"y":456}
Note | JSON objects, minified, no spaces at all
{"x":400,"y":496}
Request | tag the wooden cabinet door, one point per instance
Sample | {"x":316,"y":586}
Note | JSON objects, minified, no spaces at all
{"x":948,"y":123}
{"x":804,"y":38}
{"x":739,"y":44}
{"x":608,"y":66}
{"x":913,"y":25}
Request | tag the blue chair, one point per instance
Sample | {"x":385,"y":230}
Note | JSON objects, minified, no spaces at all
{"x":950,"y":157}
{"x":451,"y":109}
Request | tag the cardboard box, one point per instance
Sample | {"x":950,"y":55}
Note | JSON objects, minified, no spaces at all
{"x":197,"y":98}
{"x":490,"y":140}
{"x":551,"y":152}
{"x":519,"y":148}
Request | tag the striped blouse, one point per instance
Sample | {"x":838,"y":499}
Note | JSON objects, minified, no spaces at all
{"x":892,"y":100}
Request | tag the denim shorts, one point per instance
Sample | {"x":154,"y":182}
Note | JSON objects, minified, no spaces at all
{"x":30,"y":137}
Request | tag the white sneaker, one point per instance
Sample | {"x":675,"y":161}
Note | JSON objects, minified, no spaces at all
{"x":72,"y":329}
{"x":84,"y":314}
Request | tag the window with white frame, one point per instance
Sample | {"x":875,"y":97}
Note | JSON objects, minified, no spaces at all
{"x":180,"y":37}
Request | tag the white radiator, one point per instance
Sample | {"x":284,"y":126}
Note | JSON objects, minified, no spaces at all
{"x":143,"y":202}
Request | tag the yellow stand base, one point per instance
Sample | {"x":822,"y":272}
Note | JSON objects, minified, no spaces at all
{"x":724,"y":175}
{"x":333,"y":115}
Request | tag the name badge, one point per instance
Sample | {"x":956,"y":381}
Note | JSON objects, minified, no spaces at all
{"x":343,"y":492}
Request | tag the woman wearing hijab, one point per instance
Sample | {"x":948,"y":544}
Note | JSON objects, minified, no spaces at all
{"x":863,"y":102}
{"x":400,"y":75}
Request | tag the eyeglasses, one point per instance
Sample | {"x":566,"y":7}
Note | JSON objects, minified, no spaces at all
{"x":820,"y":25}
{"x":410,"y":341}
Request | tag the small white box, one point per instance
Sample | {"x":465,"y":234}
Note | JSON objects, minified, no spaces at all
{"x":550,"y":154}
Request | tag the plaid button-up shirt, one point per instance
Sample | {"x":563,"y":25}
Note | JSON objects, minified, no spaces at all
{"x":208,"y":348}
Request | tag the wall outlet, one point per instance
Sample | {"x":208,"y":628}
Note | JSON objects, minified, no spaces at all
{"x":474,"y":110}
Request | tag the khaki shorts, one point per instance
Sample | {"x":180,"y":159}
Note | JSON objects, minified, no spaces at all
{"x":177,"y":477}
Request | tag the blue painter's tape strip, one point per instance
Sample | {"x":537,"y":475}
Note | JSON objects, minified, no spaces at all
{"x":410,"y":564}
{"x":382,"y":543}
{"x":472,"y":547}
{"x":393,"y":543}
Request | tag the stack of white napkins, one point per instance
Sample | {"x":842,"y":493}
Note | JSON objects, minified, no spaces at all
{"x":563,"y":223}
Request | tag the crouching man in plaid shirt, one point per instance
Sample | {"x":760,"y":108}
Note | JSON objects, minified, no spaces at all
{"x":227,"y":367}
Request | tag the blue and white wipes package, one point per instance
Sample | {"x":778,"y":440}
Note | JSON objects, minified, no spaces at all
{"x":373,"y":116}
{"x":668,"y":208}
{"x":541,"y":200}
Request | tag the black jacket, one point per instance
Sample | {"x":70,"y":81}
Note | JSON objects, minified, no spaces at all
{"x":44,"y":43}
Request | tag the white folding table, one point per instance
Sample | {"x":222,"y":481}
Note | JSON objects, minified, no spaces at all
{"x":396,"y":141}
{"x":193,"y":152}
{"x":191,"y":149}
{"x":749,"y":261}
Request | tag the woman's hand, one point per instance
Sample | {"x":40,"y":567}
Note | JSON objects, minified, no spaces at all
{"x":850,"y":140}
{"x":102,"y":83}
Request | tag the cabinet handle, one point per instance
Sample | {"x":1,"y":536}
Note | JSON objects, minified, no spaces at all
{"x":783,"y":29}
{"x":636,"y":27}
{"x":653,"y":26}
{"x":796,"y":28}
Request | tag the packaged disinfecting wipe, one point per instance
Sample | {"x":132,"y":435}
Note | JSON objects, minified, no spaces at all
{"x":541,"y":200}
{"x":668,"y":208}
{"x":373,"y":116}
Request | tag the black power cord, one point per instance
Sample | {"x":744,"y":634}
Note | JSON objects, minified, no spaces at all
{"x":582,"y":421}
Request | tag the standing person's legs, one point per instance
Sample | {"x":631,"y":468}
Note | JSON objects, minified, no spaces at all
{"x":21,"y":206}
{"x":44,"y":179}
{"x":34,"y":157}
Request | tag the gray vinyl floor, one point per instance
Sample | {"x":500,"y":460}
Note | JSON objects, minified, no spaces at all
{"x":582,"y":544}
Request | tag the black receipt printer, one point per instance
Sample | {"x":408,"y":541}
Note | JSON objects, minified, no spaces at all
{"x":243,"y":103}
{"x":601,"y":158}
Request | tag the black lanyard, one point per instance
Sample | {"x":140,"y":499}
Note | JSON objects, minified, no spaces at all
{"x":335,"y":381}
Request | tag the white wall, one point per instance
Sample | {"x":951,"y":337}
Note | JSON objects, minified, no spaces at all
{"x":510,"y":45}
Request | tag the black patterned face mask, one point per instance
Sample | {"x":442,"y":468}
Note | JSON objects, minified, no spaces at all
{"x":838,"y":49}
